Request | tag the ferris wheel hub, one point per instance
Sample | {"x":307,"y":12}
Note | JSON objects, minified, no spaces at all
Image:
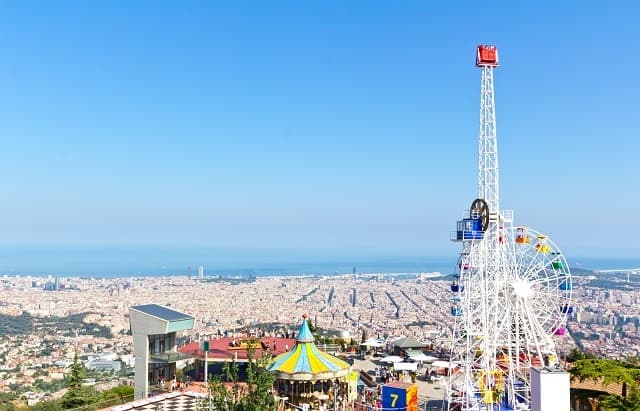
{"x":522,"y":288}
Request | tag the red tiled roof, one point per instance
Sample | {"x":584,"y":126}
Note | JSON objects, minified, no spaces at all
{"x":221,"y":350}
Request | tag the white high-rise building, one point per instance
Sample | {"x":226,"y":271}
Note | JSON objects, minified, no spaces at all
{"x":201,"y":271}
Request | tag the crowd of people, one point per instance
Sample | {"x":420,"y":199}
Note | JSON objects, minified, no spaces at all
{"x":173,"y":384}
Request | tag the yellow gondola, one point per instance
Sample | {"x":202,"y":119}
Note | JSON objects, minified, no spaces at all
{"x":543,"y":248}
{"x":491,"y":385}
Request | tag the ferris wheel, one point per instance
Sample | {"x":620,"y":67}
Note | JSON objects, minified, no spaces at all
{"x":511,"y":292}
{"x":541,"y":287}
{"x":509,"y":303}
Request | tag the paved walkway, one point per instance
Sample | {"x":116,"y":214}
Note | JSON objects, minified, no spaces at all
{"x":430,"y":393}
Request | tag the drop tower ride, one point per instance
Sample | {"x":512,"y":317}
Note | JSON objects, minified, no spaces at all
{"x":511,"y":292}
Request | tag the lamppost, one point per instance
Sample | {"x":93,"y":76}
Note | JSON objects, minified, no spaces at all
{"x":205,"y":347}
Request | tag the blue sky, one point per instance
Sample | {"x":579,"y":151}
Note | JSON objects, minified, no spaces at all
{"x":311,"y":130}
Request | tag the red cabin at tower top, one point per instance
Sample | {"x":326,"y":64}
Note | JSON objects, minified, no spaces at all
{"x":487,"y":56}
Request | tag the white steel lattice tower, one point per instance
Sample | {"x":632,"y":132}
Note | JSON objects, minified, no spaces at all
{"x":511,"y":292}
{"x":488,"y":188}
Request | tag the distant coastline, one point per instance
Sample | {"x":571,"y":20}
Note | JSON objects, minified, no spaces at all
{"x":126,"y":263}
{"x":410,"y":266}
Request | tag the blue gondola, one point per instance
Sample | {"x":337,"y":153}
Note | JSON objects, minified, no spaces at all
{"x":457,"y":288}
{"x":565,"y":309}
{"x":565,"y":286}
{"x":469,"y":229}
{"x":456,"y":311}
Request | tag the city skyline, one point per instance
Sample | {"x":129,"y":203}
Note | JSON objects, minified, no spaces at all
{"x":313,"y":131}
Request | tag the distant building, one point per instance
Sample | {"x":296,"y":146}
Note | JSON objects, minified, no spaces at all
{"x":104,"y":356}
{"x":103,"y":365}
{"x":201,"y":271}
{"x":63,"y":363}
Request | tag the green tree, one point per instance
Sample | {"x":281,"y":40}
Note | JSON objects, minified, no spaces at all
{"x":610,"y":372}
{"x":7,"y":406}
{"x":115,"y":396}
{"x":315,"y":331}
{"x":225,"y":398}
{"x":615,"y":403}
{"x":577,"y":354}
{"x":77,"y":395}
{"x":6,"y":401}
{"x":259,"y":382}
{"x":256,"y":395}
{"x":51,"y":405}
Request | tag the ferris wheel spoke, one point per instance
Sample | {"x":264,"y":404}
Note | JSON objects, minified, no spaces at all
{"x":535,"y":328}
{"x":527,"y":266}
{"x":546,"y":280}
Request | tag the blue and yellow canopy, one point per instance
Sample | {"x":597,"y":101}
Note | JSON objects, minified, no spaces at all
{"x":306,"y":362}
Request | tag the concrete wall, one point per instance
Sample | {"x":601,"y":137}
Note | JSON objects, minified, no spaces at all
{"x":141,"y":351}
{"x":550,"y":390}
{"x":143,"y":325}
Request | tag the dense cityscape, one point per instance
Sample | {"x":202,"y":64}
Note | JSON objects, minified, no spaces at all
{"x":385,"y":306}
{"x":276,"y":137}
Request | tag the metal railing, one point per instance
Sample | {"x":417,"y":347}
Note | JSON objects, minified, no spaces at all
{"x":169,"y":356}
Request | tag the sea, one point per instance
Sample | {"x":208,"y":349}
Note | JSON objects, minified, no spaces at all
{"x":105,"y":262}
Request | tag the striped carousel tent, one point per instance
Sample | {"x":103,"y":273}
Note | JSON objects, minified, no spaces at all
{"x":306,"y":375}
{"x":305,"y":362}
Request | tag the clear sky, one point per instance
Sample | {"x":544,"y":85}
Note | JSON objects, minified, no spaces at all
{"x":311,"y":130}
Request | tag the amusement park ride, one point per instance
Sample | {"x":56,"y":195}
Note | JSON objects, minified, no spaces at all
{"x":512,"y":289}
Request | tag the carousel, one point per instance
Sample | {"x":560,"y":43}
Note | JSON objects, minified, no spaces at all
{"x":308,"y":378}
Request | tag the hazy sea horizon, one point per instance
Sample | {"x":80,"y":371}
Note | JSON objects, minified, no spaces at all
{"x":113,"y":262}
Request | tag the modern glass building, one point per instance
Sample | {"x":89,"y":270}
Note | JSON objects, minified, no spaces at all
{"x":154,"y":329}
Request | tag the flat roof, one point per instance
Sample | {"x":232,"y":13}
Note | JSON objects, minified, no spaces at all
{"x":162,"y":312}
